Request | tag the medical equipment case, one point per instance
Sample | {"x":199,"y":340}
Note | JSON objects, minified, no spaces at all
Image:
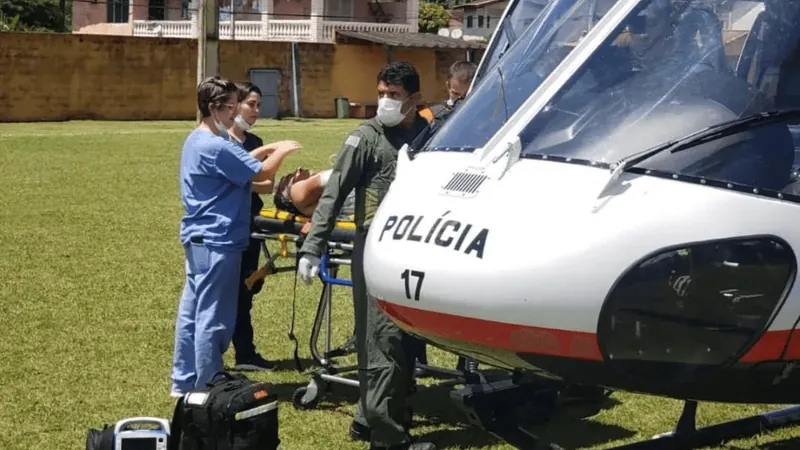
{"x":231,"y":413}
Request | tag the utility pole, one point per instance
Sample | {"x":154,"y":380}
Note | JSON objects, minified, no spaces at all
{"x":233,"y":19}
{"x":207,"y":41}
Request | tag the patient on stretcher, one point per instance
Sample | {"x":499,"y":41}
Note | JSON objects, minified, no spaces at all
{"x":299,"y":192}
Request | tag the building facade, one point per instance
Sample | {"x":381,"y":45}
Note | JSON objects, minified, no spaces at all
{"x":271,"y":20}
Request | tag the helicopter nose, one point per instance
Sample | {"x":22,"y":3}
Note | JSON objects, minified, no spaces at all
{"x":482,"y":270}
{"x":628,"y":283}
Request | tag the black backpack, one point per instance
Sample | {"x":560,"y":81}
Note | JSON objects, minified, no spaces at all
{"x":100,"y":439}
{"x":231,"y":413}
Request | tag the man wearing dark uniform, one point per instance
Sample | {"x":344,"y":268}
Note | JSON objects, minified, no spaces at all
{"x":458,"y":81}
{"x":367,"y":162}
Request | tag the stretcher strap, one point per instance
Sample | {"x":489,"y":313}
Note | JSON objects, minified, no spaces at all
{"x":291,"y":329}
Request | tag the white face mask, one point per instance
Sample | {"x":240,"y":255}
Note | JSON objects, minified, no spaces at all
{"x":241,"y":123}
{"x":218,"y":125}
{"x":390,"y":112}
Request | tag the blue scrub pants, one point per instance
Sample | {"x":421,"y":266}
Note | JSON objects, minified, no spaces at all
{"x":206,"y":315}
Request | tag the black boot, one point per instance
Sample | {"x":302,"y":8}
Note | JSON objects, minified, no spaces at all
{"x":360,"y":432}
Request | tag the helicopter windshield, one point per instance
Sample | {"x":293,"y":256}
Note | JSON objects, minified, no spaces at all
{"x":520,"y":14}
{"x":670,"y":68}
{"x":676,"y":67}
{"x":546,"y":41}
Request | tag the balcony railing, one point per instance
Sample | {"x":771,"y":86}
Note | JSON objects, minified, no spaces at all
{"x":271,"y":30}
{"x":329,"y":26}
{"x":163,"y":28}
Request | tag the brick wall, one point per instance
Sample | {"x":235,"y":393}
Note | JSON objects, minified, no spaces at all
{"x":51,"y":77}
{"x":317,"y":79}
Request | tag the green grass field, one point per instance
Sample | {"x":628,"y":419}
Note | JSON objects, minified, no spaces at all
{"x":91,"y":275}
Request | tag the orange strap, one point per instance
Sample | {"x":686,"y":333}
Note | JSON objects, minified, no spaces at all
{"x":427,"y":114}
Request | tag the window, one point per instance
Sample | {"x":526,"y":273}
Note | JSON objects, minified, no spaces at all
{"x":488,"y":24}
{"x":688,"y":309}
{"x":469,"y":21}
{"x":520,"y":15}
{"x":339,"y":10}
{"x":117,"y":11}
{"x":185,"y":10}
{"x":480,"y":21}
{"x":156,"y":10}
{"x":535,"y":53}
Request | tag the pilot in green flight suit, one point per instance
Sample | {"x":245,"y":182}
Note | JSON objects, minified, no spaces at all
{"x":366,"y":162}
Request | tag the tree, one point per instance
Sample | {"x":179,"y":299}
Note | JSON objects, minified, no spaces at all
{"x":432,"y":17}
{"x":33,"y":15}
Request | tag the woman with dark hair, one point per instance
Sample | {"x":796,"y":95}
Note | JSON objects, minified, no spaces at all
{"x":216,"y":178}
{"x":247,"y":358}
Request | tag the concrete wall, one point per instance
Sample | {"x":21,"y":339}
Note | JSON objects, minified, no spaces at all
{"x":51,"y":77}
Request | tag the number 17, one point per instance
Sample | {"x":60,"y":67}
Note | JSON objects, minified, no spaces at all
{"x":406,"y":276}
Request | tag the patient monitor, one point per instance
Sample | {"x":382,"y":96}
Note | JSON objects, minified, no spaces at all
{"x":154,"y":438}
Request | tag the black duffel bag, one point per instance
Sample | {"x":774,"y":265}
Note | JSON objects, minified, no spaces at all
{"x":231,"y":413}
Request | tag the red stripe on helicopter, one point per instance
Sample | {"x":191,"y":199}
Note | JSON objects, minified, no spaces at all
{"x":771,"y":347}
{"x":555,"y":342}
{"x":514,"y":337}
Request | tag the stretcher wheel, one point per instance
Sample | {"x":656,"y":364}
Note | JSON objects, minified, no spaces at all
{"x":306,"y":397}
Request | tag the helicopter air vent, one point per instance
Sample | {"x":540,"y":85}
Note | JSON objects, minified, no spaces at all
{"x":464,"y":183}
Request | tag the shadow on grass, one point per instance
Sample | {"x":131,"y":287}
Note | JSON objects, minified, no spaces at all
{"x":783,"y":444}
{"x":433,"y":407}
{"x":283,"y":118}
{"x":289,"y":365}
{"x":330,"y":396}
{"x":572,"y":428}
{"x":281,"y":365}
{"x":567,"y":428}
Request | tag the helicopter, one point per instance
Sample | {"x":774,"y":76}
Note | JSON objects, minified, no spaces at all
{"x":615,"y":203}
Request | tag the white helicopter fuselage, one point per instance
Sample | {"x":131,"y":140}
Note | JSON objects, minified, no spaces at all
{"x":508,"y":238}
{"x":516,"y":274}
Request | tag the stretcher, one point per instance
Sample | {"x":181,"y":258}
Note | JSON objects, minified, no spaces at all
{"x":285,"y":228}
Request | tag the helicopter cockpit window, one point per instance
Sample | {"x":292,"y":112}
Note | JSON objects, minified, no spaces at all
{"x":530,"y":59}
{"x":521,"y":13}
{"x":675,"y":67}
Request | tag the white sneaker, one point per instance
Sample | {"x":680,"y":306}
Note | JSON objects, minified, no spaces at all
{"x":175,"y":394}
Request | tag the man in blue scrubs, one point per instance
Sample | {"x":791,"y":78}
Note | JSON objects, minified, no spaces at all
{"x":216,"y":178}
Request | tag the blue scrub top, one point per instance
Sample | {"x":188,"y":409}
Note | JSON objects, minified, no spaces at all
{"x":215,"y":186}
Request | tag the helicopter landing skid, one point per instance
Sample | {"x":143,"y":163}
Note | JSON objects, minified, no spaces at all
{"x":687,"y":435}
{"x":492,"y":406}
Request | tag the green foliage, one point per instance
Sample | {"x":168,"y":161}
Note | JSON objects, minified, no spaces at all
{"x":432,"y":17}
{"x":9,"y":24}
{"x":31,"y":15}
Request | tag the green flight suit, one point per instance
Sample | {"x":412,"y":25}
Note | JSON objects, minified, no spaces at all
{"x":367,"y":162}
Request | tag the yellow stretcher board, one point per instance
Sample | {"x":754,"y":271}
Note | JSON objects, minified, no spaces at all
{"x":284,"y":216}
{"x":279,"y":225}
